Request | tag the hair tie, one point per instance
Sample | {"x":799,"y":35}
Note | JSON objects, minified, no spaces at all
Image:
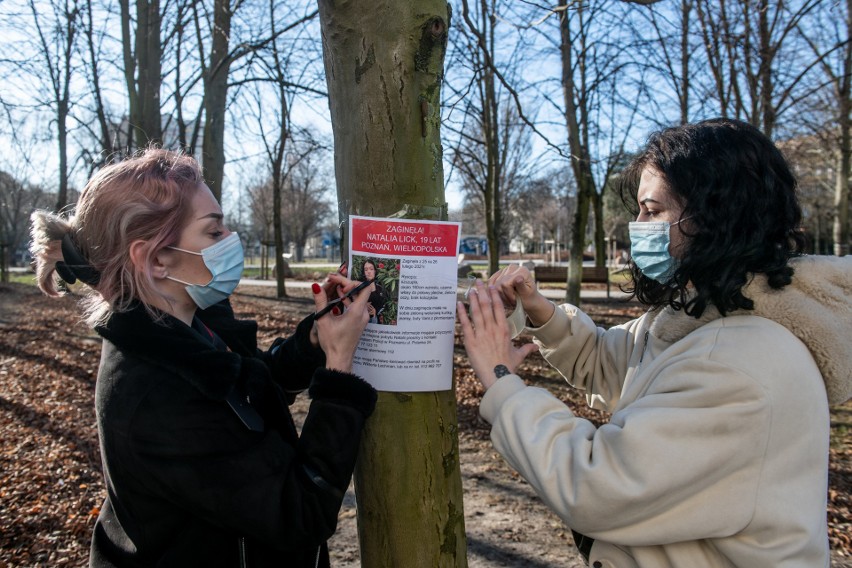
{"x":74,"y":265}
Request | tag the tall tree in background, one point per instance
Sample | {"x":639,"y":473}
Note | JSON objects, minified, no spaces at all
{"x":831,"y":44}
{"x":216,"y":78}
{"x":483,"y":150}
{"x":591,"y":68}
{"x":304,"y":203}
{"x":57,"y":29}
{"x":275,"y":144}
{"x":102,"y":129}
{"x":384,"y":67}
{"x":187,"y":51}
{"x":216,"y":96}
{"x":670,"y":51}
{"x":143,"y":58}
{"x":17,"y":201}
{"x":493,"y":168}
{"x":843,"y":87}
{"x":545,"y":209}
{"x":756,"y":58}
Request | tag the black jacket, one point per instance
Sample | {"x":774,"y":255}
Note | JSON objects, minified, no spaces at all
{"x":202,"y":461}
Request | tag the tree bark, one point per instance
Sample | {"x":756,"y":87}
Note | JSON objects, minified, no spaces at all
{"x":685,"y":56}
{"x":57,"y":45}
{"x":581,"y":162}
{"x":149,"y":58}
{"x":106,"y":142}
{"x":129,"y":71}
{"x":384,"y":67}
{"x":143,"y":70}
{"x":216,"y":99}
{"x":840,"y":226}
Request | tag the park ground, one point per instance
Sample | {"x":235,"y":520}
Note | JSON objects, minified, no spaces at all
{"x":51,"y":486}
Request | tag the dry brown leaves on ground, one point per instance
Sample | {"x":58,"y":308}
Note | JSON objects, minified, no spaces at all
{"x":50,"y":481}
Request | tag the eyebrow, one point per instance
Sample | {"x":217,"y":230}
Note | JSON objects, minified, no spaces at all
{"x":217,"y":216}
{"x":651,"y":199}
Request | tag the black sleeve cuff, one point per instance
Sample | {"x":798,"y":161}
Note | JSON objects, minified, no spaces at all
{"x":304,"y":347}
{"x":344,"y":388}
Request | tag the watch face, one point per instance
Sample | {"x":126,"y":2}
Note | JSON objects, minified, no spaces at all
{"x":501,"y":371}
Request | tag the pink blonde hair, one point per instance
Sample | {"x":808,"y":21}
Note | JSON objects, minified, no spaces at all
{"x":146,"y":197}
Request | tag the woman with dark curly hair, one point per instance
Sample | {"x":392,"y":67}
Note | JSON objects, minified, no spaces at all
{"x":716,"y":453}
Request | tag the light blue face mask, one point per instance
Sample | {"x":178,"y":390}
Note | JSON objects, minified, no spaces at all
{"x":224,"y":260}
{"x":649,"y":248}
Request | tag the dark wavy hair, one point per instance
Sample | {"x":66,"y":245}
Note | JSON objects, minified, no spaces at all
{"x":739,"y":194}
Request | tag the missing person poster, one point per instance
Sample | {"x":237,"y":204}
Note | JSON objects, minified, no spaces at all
{"x":408,"y":343}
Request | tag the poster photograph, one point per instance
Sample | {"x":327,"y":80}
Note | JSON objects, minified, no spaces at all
{"x":408,"y":343}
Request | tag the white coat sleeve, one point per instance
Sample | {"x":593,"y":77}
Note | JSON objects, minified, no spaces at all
{"x":591,"y":358}
{"x":681,"y":462}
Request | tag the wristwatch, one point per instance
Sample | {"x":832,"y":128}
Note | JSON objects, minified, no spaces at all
{"x":501,"y":371}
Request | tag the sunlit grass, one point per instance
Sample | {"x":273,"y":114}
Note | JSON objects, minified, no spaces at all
{"x":22,"y":278}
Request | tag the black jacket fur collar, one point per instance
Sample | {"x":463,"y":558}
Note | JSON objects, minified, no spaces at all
{"x":177,"y":347}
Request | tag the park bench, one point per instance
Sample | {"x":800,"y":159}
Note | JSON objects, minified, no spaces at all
{"x":559,"y":274}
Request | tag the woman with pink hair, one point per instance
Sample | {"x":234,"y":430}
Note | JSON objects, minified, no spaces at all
{"x":202,"y":460}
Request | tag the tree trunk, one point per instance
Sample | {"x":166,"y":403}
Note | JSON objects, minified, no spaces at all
{"x":278,"y":231}
{"x":600,"y":234}
{"x":129,"y":71}
{"x":149,"y":58}
{"x":767,"y":105}
{"x":581,"y":163}
{"x":62,"y":119}
{"x":216,"y":99}
{"x":685,"y":55}
{"x":575,"y":248}
{"x":384,"y":67}
{"x":106,"y":142}
{"x":840,"y":227}
{"x":145,"y":56}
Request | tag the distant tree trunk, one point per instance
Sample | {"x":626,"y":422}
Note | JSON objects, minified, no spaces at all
{"x":685,"y":54}
{"x":143,"y":70}
{"x":277,"y":154}
{"x":107,"y":146}
{"x":277,"y":227}
{"x":384,"y":67}
{"x":129,"y":70}
{"x":56,"y":41}
{"x":581,"y":162}
{"x":493,"y":209}
{"x":840,"y":226}
{"x":491,"y":131}
{"x":216,"y":98}
{"x":62,"y":120}
{"x":149,"y":55}
{"x":600,"y":233}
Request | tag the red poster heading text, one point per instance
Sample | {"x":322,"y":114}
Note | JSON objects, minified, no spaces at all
{"x":404,"y":238}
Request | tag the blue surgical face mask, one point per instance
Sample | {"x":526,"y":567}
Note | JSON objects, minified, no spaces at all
{"x":224,"y":260}
{"x":649,"y":248}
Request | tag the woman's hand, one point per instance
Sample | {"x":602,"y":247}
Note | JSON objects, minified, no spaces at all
{"x":371,"y":310}
{"x":339,"y":331}
{"x":486,"y":335}
{"x":332,"y":287}
{"x":516,"y":283}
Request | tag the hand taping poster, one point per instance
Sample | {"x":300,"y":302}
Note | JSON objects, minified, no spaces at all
{"x":408,"y":344}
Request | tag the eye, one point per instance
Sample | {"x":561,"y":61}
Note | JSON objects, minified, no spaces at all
{"x":216,"y":234}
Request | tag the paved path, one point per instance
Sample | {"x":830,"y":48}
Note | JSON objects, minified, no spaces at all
{"x":551,"y":293}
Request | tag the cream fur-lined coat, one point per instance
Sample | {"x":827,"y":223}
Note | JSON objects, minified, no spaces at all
{"x":716,"y":454}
